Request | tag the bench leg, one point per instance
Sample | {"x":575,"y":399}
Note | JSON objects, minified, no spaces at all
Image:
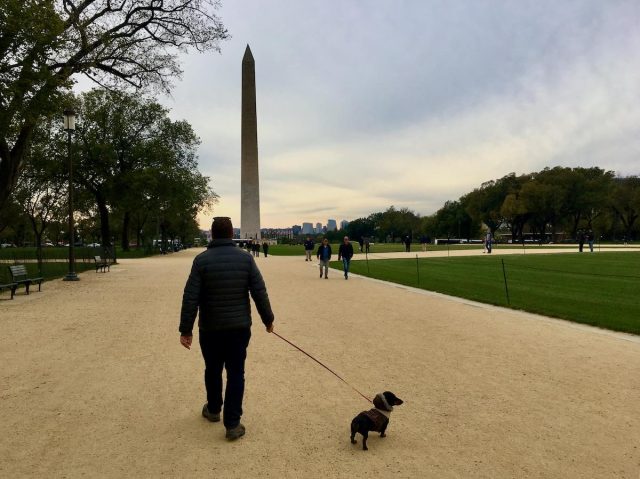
{"x":27,"y":285}
{"x":13,"y":291}
{"x":39,"y":285}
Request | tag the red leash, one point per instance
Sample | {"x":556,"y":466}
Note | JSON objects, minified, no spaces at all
{"x":332,"y":372}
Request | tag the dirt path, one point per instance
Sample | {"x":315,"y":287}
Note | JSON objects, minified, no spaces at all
{"x":94,"y":383}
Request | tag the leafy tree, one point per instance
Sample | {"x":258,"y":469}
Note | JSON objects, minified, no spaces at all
{"x":138,"y":163}
{"x":484,"y":204}
{"x":395,"y":223}
{"x":542,"y":202}
{"x":625,"y":202}
{"x":360,"y":228}
{"x":585,"y":192}
{"x":41,"y":190}
{"x":453,"y":221}
{"x":124,"y":43}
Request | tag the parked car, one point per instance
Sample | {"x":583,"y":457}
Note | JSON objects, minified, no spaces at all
{"x":7,"y":245}
{"x":93,"y":245}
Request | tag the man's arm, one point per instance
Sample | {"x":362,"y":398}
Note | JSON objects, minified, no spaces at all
{"x":190,"y":302}
{"x":258,"y":291}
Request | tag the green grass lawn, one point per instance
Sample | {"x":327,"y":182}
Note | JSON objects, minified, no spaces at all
{"x":294,"y":250}
{"x":597,"y":289}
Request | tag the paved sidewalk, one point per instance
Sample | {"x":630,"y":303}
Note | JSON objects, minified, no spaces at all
{"x":95,"y":384}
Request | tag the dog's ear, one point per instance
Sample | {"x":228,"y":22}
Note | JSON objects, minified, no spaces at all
{"x":392,"y":398}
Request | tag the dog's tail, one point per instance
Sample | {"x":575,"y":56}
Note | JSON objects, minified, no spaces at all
{"x":354,"y":429}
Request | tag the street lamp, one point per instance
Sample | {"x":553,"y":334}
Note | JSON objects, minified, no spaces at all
{"x":69,"y":127}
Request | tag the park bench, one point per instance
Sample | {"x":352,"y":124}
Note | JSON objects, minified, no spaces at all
{"x":19,"y":276}
{"x":101,"y":264}
{"x":11,"y":286}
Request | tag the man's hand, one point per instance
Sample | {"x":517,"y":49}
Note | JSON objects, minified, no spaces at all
{"x":186,"y":341}
{"x":270,"y":328}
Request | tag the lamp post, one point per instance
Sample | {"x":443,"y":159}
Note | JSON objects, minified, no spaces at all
{"x":69,"y":127}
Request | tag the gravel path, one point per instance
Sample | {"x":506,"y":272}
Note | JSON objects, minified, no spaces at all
{"x":94,"y":384}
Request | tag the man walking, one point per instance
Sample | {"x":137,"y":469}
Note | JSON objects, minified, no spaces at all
{"x":488,"y":241}
{"x":308,"y":248}
{"x":407,"y":244}
{"x":345,"y":252}
{"x":324,"y":255}
{"x":218,"y":288}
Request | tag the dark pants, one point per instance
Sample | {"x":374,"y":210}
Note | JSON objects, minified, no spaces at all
{"x":226,"y":349}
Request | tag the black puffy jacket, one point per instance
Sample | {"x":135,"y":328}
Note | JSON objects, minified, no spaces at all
{"x":219,"y":285}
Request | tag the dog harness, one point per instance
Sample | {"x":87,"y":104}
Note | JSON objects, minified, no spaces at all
{"x":378,"y":418}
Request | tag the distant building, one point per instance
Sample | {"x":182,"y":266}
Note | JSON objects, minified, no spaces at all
{"x":331,"y":225}
{"x":307,"y":229}
{"x":318,"y":228}
{"x":296,"y":229}
{"x":344,"y":224}
{"x":236,"y":233}
{"x":276,"y":233}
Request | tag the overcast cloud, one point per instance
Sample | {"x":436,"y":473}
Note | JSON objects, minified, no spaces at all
{"x":366,"y":104}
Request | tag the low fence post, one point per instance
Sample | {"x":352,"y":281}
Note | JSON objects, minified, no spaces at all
{"x":506,"y":288}
{"x":418,"y":268}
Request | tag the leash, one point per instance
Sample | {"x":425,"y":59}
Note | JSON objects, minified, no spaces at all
{"x":332,"y":372}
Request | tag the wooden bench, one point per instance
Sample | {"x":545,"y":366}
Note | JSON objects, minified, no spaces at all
{"x":11,"y":286}
{"x":19,"y":276}
{"x":102,"y":264}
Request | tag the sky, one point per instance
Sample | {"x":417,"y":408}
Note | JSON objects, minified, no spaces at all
{"x":366,"y":104}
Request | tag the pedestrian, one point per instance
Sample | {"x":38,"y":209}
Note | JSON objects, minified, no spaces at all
{"x":367,"y":245}
{"x":580,"y":240}
{"x":423,"y":242}
{"x":590,"y":238}
{"x":407,"y":244}
{"x":345,"y":252}
{"x":265,"y":248}
{"x":256,"y":248}
{"x":361,"y":243}
{"x":218,"y":289}
{"x":324,"y":255}
{"x":488,"y":240}
{"x":308,"y":248}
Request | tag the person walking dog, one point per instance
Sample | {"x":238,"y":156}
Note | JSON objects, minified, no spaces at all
{"x":345,"y":252}
{"x":218,"y":289}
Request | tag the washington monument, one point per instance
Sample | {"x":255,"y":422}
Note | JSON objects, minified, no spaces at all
{"x":249,"y":178}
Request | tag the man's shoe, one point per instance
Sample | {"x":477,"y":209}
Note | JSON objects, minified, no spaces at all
{"x":235,"y":433}
{"x":213,"y":417}
{"x":325,"y":277}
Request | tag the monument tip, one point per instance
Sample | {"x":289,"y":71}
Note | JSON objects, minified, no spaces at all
{"x":248,"y":56}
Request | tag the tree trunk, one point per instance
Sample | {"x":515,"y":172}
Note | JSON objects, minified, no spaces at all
{"x":105,"y":231}
{"x":37,"y":233}
{"x":126,"y":221}
{"x":11,"y":160}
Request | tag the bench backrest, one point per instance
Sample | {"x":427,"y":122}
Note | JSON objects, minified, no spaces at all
{"x":97,"y":259}
{"x":18,"y":272}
